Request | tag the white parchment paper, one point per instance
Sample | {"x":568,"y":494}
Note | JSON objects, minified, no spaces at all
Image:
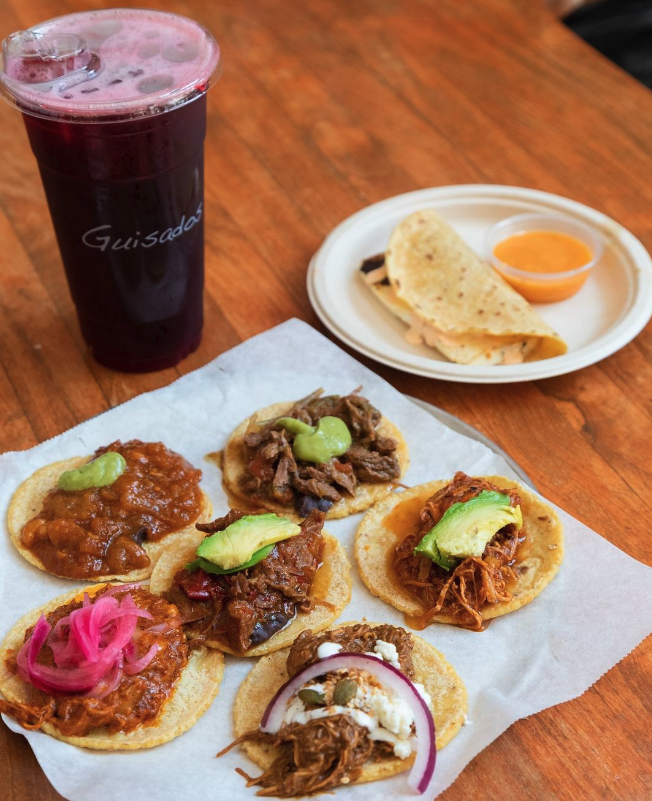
{"x":548,"y":652}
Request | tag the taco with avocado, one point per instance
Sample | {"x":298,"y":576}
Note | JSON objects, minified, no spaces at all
{"x":461,"y":551}
{"x":334,"y":453}
{"x":106,"y":668}
{"x":109,"y":516}
{"x":453,"y":301}
{"x":358,"y":703}
{"x":248,"y":583}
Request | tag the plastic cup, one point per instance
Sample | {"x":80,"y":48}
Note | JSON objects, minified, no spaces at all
{"x":114,"y":103}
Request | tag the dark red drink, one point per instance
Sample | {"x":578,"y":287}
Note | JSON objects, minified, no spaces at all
{"x":124,"y":184}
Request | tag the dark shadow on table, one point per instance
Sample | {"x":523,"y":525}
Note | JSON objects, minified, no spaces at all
{"x":621,"y":30}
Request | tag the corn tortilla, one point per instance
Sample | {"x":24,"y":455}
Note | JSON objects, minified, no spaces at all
{"x":539,"y":558}
{"x":446,"y":689}
{"x":235,"y":466}
{"x":27,"y":502}
{"x":333,"y":586}
{"x":195,"y":690}
{"x":456,"y":302}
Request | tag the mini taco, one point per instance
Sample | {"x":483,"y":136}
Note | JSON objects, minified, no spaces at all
{"x":336,"y":454}
{"x":461,"y":551}
{"x":108,"y":516}
{"x":107,"y":668}
{"x":355,"y":704}
{"x":453,"y":301}
{"x":248,"y":583}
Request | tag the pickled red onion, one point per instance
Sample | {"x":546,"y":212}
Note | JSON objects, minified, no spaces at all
{"x":90,"y":647}
{"x":136,"y":665}
{"x":425,"y":758}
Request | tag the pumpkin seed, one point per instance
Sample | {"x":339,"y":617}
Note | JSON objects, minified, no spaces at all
{"x":345,"y":691}
{"x":312,"y":697}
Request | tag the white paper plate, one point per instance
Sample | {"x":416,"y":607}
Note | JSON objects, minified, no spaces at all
{"x":608,"y":312}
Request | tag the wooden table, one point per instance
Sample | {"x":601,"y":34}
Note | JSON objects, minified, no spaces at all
{"x":324,"y":107}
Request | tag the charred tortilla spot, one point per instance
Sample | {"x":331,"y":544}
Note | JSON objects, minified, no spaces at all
{"x":372,"y":263}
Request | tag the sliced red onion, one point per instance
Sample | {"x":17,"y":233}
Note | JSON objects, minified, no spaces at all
{"x":88,"y":647}
{"x":137,"y":665}
{"x":86,"y":623}
{"x":52,"y":680}
{"x":160,"y":628}
{"x":108,"y":683}
{"x":391,"y":678}
{"x":26,"y":658}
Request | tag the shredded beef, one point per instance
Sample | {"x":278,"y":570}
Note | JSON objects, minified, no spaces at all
{"x":314,"y":757}
{"x":371,"y":466}
{"x":274,"y":474}
{"x":220,"y":523}
{"x":462,"y":592}
{"x":136,"y":701}
{"x":246,"y":608}
{"x":358,"y":638}
{"x":330,"y":751}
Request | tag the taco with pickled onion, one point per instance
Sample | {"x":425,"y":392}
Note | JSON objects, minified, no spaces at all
{"x":334,"y":453}
{"x":462,"y":551}
{"x":106,"y":668}
{"x":109,"y":516}
{"x":248,"y":583}
{"x":357,"y":703}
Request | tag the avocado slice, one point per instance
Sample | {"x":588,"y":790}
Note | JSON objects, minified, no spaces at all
{"x":466,"y":528}
{"x":209,"y":567}
{"x":234,"y":548}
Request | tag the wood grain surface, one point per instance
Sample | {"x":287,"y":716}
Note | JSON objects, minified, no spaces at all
{"x":324,"y":107}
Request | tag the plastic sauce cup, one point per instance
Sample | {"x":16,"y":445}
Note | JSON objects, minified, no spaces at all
{"x":549,"y":286}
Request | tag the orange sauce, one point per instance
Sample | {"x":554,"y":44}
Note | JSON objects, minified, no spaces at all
{"x":416,"y":622}
{"x":405,"y":515}
{"x":546,"y":252}
{"x":400,"y":522}
{"x":322,"y":581}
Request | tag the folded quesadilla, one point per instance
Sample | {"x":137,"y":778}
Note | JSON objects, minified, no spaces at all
{"x":452,"y":300}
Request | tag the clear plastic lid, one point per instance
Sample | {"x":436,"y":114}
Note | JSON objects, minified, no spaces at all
{"x":108,"y":65}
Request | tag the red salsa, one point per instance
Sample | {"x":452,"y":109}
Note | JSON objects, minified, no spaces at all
{"x":101,"y":531}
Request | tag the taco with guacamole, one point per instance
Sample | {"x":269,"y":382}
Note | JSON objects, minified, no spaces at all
{"x":453,"y":301}
{"x":109,"y":516}
{"x":461,"y":551}
{"x":249,"y":583}
{"x":106,"y":668}
{"x":334,"y":453}
{"x":358,"y":703}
